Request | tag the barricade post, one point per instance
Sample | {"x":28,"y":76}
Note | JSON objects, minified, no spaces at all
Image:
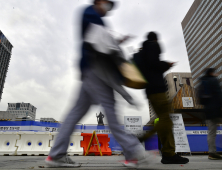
{"x":74,"y":144}
{"x":90,"y":143}
{"x":8,"y":143}
{"x":103,"y":142}
{"x":33,"y":143}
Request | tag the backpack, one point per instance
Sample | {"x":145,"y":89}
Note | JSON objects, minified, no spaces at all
{"x":204,"y":92}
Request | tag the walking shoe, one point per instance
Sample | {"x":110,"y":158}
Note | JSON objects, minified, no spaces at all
{"x":176,"y":159}
{"x":65,"y":161}
{"x":141,"y":159}
{"x":214,"y":156}
{"x":130,"y":164}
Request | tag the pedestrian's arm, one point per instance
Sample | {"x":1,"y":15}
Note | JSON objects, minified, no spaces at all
{"x":157,"y":65}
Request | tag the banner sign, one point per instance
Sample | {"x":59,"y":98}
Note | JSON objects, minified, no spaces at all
{"x":50,"y":129}
{"x":133,"y":124}
{"x":187,"y":101}
{"x":105,"y":131}
{"x":10,"y":128}
{"x":201,"y":132}
{"x":180,"y":136}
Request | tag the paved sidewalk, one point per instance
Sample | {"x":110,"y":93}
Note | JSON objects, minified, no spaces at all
{"x":105,"y":162}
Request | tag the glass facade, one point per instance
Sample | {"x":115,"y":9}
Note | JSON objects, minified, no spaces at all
{"x":195,"y":16}
{"x":215,"y":65}
{"x":202,"y":29}
{"x":5,"y":56}
{"x":202,"y":58}
{"x":201,"y":43}
{"x":205,"y":20}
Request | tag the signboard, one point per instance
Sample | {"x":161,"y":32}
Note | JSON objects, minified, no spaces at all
{"x":133,"y":124}
{"x":187,"y":101}
{"x":180,"y":136}
{"x":10,"y":128}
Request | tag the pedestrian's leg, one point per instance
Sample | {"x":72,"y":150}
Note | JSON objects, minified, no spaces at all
{"x":76,"y":113}
{"x":211,"y":137}
{"x":105,"y":96}
{"x":130,"y":144}
{"x":164,"y":127}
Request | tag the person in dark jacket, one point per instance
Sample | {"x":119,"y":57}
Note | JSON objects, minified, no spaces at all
{"x":152,"y":68}
{"x":212,"y":109}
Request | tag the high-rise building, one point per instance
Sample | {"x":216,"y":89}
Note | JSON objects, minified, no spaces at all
{"x":5,"y":56}
{"x":22,"y":110}
{"x":202,"y":30}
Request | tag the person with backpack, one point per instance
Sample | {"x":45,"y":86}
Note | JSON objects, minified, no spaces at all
{"x":210,"y":96}
{"x":149,"y":63}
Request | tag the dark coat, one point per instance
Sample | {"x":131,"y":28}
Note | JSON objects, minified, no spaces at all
{"x":89,"y":16}
{"x":213,"y":107}
{"x":148,"y":61}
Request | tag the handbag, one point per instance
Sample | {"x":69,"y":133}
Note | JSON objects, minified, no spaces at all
{"x":132,"y":76}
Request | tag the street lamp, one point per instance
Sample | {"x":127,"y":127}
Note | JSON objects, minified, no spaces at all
{"x":175,"y":79}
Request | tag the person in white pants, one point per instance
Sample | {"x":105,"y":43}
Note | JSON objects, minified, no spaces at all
{"x":99,"y":80}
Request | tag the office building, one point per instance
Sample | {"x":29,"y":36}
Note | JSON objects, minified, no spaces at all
{"x":5,"y":56}
{"x":48,"y":120}
{"x":22,"y":110}
{"x":202,"y":30}
{"x":5,"y":116}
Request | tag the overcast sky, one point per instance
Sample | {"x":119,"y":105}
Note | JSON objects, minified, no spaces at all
{"x":45,"y":34}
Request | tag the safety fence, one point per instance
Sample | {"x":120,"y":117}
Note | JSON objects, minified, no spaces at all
{"x":40,"y":143}
{"x":37,"y":138}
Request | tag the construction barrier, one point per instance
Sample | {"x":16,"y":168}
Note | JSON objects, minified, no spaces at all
{"x":8,"y":143}
{"x":35,"y":126}
{"x":74,"y":144}
{"x":197,"y":138}
{"x":103,"y":141}
{"x":152,"y":142}
{"x":33,"y":143}
{"x":113,"y":144}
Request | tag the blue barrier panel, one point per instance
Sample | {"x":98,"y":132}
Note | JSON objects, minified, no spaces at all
{"x":198,"y":140}
{"x":152,"y":142}
{"x":16,"y":123}
{"x":46,"y":124}
{"x":99,"y":129}
{"x":33,"y":126}
{"x":113,"y":144}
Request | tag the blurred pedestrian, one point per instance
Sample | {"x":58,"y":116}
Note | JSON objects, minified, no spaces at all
{"x":152,"y":68}
{"x":210,"y":96}
{"x":100,"y":77}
